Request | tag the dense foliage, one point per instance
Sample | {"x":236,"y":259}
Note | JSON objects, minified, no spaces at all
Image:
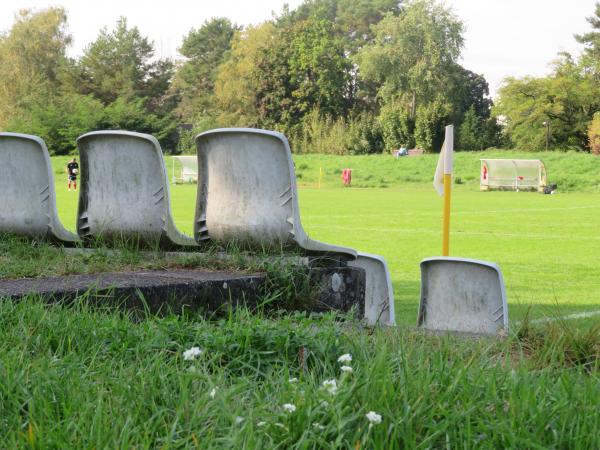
{"x":336,"y":76}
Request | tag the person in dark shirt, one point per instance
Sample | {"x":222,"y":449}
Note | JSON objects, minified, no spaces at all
{"x":72,"y":171}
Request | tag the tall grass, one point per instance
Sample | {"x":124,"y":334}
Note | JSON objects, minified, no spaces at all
{"x":82,"y":378}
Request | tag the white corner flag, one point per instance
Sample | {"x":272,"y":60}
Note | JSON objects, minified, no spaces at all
{"x":444,"y":165}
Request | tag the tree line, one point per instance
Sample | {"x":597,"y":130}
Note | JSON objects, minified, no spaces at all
{"x":562,"y":106}
{"x":336,"y":76}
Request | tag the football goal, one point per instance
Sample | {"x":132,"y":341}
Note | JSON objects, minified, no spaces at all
{"x":187,"y":169}
{"x":512,"y":174}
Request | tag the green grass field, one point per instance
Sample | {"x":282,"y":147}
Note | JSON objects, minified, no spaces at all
{"x":72,"y":376}
{"x":546,"y":245}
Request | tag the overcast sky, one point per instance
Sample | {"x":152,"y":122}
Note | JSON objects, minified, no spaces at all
{"x":502,"y":38}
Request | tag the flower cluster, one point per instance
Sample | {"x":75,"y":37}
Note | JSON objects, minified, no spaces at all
{"x":289,"y":408}
{"x":192,"y":353}
{"x":373,"y":418}
{"x":330,"y":386}
{"x":345,"y":360}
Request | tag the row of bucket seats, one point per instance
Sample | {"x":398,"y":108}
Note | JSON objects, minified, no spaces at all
{"x":246,"y":193}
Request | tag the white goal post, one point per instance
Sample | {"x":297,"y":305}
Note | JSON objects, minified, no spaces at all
{"x":187,"y":172}
{"x":512,"y":174}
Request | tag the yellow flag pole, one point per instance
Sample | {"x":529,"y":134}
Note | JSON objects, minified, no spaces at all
{"x":320,"y":176}
{"x":448,"y":151}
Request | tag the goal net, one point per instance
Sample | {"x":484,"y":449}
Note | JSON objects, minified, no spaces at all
{"x":512,"y":174}
{"x":185,"y":169}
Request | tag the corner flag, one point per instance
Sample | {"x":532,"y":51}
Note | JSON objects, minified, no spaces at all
{"x":442,"y":182}
{"x":444,"y":165}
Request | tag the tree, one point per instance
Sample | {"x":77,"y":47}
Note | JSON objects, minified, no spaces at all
{"x":470,"y":90}
{"x":412,"y":59}
{"x":470,"y":132}
{"x":60,"y":120}
{"x":33,"y":60}
{"x":397,"y":127}
{"x":567,"y":99}
{"x":429,"y":124}
{"x":594,"y":134}
{"x":303,"y":68}
{"x":119,"y":64}
{"x":33,"y":95}
{"x":351,"y":21}
{"x":204,"y":49}
{"x":236,"y":82}
{"x":413,"y":55}
{"x":591,"y":42}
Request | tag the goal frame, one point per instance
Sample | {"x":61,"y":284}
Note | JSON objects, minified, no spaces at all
{"x":185,"y":172}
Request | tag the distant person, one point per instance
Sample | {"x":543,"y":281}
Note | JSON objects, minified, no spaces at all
{"x":72,"y":170}
{"x":402,"y":151}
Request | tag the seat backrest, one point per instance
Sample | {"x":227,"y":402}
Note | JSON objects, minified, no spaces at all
{"x":27,"y":196}
{"x":246,"y":188}
{"x":462,"y":295}
{"x":124,"y":188}
{"x":247,"y":192}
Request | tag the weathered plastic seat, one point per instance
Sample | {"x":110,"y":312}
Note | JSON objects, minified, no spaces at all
{"x":462,"y":295}
{"x":247,"y":193}
{"x":27,"y":196}
{"x":379,"y":293}
{"x":124,"y":190}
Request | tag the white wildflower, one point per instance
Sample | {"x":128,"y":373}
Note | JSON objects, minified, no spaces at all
{"x":318,"y":426}
{"x":192,"y":353}
{"x":324,"y":404}
{"x":346,"y":369}
{"x":345,"y":358}
{"x":293,"y":380}
{"x":262,"y":423}
{"x":331,"y":386}
{"x":289,"y":408}
{"x":373,"y":418}
{"x":213,"y":392}
{"x":239,"y":420}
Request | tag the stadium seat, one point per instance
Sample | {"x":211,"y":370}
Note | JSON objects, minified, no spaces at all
{"x":125,"y":191}
{"x":247,"y":194}
{"x":28,"y":200}
{"x":379,"y":293}
{"x":462,"y":295}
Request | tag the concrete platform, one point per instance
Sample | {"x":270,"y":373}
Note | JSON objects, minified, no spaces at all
{"x":205,"y":292}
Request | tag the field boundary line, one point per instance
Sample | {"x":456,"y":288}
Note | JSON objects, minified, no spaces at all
{"x":575,"y":316}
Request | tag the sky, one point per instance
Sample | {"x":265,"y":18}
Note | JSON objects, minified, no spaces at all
{"x":502,"y":37}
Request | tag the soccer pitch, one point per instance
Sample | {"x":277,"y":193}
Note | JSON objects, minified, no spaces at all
{"x":546,"y":245}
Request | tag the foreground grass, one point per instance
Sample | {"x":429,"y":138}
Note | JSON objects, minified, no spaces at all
{"x":81,"y":378}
